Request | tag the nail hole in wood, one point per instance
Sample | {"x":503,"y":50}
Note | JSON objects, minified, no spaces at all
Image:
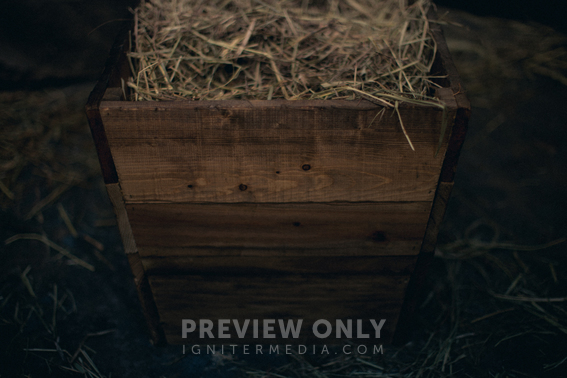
{"x":190,"y":186}
{"x":306,"y":167}
{"x":378,"y":236}
{"x":296,"y":224}
{"x":242,"y":187}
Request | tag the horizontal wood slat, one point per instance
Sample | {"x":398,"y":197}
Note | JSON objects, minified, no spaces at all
{"x":332,"y":229}
{"x":187,"y":152}
{"x":275,"y":297}
{"x":393,"y":248}
{"x":274,"y":265}
{"x":179,"y":119}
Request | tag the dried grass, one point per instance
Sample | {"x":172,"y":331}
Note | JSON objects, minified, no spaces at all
{"x":381,"y":50}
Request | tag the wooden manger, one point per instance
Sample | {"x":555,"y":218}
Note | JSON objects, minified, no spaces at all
{"x":277,"y":209}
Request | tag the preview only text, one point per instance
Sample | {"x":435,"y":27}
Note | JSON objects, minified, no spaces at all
{"x":279,"y":328}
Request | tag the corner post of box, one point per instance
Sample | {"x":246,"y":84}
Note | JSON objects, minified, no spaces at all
{"x":452,"y":93}
{"x":112,"y":83}
{"x":140,"y":277}
{"x":442,"y":195}
{"x":114,"y":74}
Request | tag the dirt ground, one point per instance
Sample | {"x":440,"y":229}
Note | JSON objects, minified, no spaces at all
{"x":495,"y":303}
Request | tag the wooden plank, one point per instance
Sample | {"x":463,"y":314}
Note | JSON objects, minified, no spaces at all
{"x":424,"y":259}
{"x":287,"y":229}
{"x":449,"y":78}
{"x":180,"y":119}
{"x":146,"y":299}
{"x":231,"y":166}
{"x":387,"y":248}
{"x":104,"y":154}
{"x":436,"y":217}
{"x":115,"y":194}
{"x":116,"y":68}
{"x":272,"y":151}
{"x":273,"y":265}
{"x":261,"y":297}
{"x":459,"y":131}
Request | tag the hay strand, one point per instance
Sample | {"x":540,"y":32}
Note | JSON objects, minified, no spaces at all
{"x":63,"y":214}
{"x":49,"y":243}
{"x":403,"y":128}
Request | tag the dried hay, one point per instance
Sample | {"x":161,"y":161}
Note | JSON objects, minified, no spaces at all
{"x":381,"y":50}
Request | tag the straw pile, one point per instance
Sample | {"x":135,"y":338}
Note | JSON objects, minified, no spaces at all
{"x":291,"y":49}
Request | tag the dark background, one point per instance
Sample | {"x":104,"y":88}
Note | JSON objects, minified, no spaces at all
{"x":551,"y":12}
{"x":57,"y":42}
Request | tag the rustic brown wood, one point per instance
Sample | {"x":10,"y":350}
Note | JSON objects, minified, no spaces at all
{"x":456,"y":142}
{"x":445,"y":67}
{"x":446,"y":95}
{"x":146,"y":299}
{"x":395,"y":248}
{"x":274,"y":265}
{"x":101,"y":143}
{"x":436,"y":216}
{"x":181,"y":119}
{"x":291,"y":229}
{"x":191,"y":152}
{"x":277,"y":297}
{"x":115,"y":70}
{"x":425,"y":258}
{"x":124,"y":227}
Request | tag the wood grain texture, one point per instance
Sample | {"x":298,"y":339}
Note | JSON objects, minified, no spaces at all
{"x":276,"y":297}
{"x":181,"y":119}
{"x":278,"y":265}
{"x":272,"y":151}
{"x":284,"y":229}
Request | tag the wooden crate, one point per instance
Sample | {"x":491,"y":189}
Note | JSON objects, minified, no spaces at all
{"x":276,"y":209}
